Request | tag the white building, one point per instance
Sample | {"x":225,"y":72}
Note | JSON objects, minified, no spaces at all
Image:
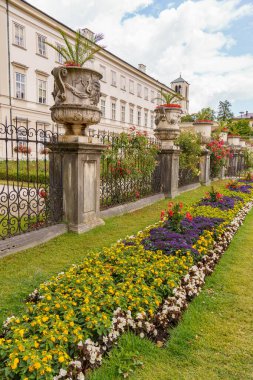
{"x":26,"y":83}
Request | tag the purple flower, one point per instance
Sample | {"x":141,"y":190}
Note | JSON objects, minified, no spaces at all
{"x":225,"y":203}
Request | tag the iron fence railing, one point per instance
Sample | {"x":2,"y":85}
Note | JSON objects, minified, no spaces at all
{"x":187,"y":177}
{"x":130,"y":168}
{"x":26,"y":202}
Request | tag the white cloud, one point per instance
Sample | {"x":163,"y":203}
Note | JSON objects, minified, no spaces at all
{"x":192,"y":38}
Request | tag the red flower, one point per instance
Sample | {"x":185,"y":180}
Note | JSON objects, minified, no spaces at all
{"x":170,"y":204}
{"x":137,"y":194}
{"x":171,"y":213}
{"x":219,"y":195}
{"x":162,"y":214}
{"x":181,"y":205}
{"x":43,"y":193}
{"x":188,"y":216}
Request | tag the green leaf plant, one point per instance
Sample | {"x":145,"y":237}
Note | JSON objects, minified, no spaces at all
{"x":81,"y":51}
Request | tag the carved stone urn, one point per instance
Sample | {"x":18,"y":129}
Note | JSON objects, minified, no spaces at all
{"x":167,"y":124}
{"x":76,"y":95}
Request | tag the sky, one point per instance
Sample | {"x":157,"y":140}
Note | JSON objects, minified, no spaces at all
{"x":210,"y":42}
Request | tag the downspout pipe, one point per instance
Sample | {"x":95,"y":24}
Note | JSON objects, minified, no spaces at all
{"x":9,"y":57}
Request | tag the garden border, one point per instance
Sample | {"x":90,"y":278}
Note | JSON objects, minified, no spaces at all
{"x":168,"y":314}
{"x":30,"y":239}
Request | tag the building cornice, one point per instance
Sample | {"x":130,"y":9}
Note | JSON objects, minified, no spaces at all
{"x":19,"y":65}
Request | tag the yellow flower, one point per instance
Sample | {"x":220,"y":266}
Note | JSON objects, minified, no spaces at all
{"x":61,"y":359}
{"x":15,"y":363}
{"x":37,"y":365}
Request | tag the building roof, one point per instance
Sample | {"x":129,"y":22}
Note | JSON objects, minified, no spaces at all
{"x":179,"y":80}
{"x":120,"y":59}
{"x":246,"y":115}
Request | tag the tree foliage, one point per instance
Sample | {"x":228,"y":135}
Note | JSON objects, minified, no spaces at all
{"x":224,"y":111}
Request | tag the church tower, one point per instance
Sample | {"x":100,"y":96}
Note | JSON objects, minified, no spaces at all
{"x":180,"y":86}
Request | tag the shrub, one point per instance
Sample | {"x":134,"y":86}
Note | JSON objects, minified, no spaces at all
{"x":190,"y":146}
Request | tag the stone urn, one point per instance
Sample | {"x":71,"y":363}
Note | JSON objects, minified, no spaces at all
{"x":234,"y":140}
{"x":204,"y":127}
{"x":167,"y":119}
{"x":224,"y":136}
{"x":76,"y":95}
{"x":243,"y":143}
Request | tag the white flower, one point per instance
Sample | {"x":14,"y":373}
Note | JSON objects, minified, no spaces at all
{"x":62,"y":372}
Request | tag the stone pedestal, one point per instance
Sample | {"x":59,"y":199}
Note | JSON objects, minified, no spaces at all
{"x":169,"y":161}
{"x":204,"y":176}
{"x":80,"y":157}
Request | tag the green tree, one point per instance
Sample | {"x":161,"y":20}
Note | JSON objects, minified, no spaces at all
{"x":224,"y":111}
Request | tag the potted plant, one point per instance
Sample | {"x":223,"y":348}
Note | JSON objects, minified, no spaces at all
{"x":76,"y":88}
{"x":167,"y":117}
{"x":203,"y":123}
{"x":169,"y":100}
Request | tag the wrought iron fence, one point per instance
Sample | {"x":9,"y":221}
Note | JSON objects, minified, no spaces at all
{"x":187,"y":177}
{"x":27,"y":200}
{"x":130,"y":168}
{"x":236,"y":165}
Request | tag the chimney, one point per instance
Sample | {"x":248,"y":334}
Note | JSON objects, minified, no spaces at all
{"x":246,"y":113}
{"x":87,"y":33}
{"x":142,"y":67}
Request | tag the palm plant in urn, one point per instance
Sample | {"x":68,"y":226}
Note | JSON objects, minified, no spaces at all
{"x":76,"y":88}
{"x":167,"y":116}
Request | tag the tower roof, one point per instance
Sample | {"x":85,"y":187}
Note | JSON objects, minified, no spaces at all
{"x":179,"y":80}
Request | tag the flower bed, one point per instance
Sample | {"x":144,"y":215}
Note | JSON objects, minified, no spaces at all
{"x":75,"y":317}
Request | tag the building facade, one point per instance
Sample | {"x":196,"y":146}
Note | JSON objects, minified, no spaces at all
{"x":26,"y":61}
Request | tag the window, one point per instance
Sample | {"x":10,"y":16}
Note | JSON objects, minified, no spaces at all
{"x":123,"y":113}
{"x":113,"y":111}
{"x":42,"y":91}
{"x":131,"y":86}
{"x":103,"y":107}
{"x":22,"y":136}
{"x":122,"y":83}
{"x":131,"y":115}
{"x":102,"y":70}
{"x":43,"y":138}
{"x":20,"y":86}
{"x":114,"y":79}
{"x":146,"y":118}
{"x":139,"y":117}
{"x":152,"y":96}
{"x":59,"y":57}
{"x":178,"y":89}
{"x":158,"y":99}
{"x":152,"y":120}
{"x":145,"y":93}
{"x":139,"y":90}
{"x":19,"y":35}
{"x":41,"y":45}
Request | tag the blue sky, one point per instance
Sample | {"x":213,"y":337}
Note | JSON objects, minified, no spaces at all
{"x":209,"y":41}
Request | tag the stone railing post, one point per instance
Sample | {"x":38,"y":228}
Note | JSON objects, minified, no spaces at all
{"x":76,"y":108}
{"x":204,"y":167}
{"x":167,"y":119}
{"x":80,"y":157}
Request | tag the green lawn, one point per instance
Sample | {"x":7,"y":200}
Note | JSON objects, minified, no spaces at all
{"x":215,"y":338}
